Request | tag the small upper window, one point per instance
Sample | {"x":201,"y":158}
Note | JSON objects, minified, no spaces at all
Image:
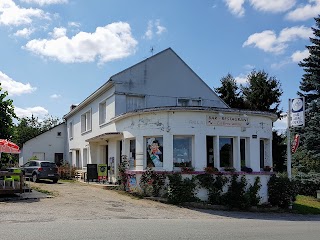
{"x":86,"y":121}
{"x":183,"y":102}
{"x":59,"y":134}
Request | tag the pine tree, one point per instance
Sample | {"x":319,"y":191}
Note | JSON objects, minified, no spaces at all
{"x":229,"y":92}
{"x":262,"y":93}
{"x":310,"y":89}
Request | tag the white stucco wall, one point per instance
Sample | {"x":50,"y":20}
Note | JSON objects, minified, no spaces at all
{"x":48,"y":143}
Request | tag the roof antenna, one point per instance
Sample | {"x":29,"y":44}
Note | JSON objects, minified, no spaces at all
{"x":151,"y":50}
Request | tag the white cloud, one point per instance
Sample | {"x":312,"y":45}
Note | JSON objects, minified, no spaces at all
{"x":45,"y":2}
{"x":25,"y":33}
{"x":28,"y":112}
{"x":236,"y":7}
{"x":74,"y":24}
{"x":12,"y":14}
{"x":113,"y":41}
{"x":269,"y":42}
{"x":13,"y":87}
{"x":154,"y":25}
{"x":149,"y":33}
{"x":305,"y":12}
{"x":58,"y":33}
{"x":55,"y":96}
{"x":160,"y":29}
{"x":273,"y":5}
{"x":280,"y":125}
{"x":300,"y":55}
{"x":241,"y":79}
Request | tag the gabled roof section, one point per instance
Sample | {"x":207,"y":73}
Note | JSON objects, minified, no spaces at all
{"x":123,"y":76}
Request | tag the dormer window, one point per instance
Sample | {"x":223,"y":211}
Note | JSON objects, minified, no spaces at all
{"x":183,"y":102}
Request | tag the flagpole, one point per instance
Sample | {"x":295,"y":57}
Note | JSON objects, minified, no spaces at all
{"x":288,"y":142}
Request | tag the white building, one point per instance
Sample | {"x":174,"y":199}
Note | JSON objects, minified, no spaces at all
{"x":160,"y":114}
{"x":50,"y":146}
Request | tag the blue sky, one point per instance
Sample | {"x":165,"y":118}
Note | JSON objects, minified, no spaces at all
{"x":54,"y":53}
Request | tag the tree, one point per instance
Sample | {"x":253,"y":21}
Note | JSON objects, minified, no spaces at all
{"x":262,"y":93}
{"x":229,"y":92}
{"x":6,"y":116}
{"x":279,"y":151}
{"x":310,"y":89}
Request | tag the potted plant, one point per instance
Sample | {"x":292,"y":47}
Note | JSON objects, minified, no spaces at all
{"x":267,"y":168}
{"x":211,"y":169}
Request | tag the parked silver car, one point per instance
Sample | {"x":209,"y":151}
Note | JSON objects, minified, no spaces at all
{"x":37,"y":170}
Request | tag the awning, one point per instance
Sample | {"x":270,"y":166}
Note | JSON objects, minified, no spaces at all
{"x":104,"y":136}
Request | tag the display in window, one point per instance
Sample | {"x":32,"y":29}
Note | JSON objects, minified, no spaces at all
{"x":182,"y":151}
{"x":154,"y":152}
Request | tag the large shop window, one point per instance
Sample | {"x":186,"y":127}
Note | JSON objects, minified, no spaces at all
{"x":182,"y":151}
{"x":154,"y":151}
{"x":226,"y":152}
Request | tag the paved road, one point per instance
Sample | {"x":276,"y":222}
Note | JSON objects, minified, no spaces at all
{"x":85,"y":212}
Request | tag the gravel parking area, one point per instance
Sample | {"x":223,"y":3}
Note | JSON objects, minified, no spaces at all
{"x":75,"y":200}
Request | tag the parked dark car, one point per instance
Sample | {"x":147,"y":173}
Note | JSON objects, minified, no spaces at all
{"x":37,"y":170}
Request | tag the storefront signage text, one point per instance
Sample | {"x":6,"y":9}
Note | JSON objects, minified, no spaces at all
{"x":227,"y":121}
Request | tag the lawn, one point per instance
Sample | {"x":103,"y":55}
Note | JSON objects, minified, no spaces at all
{"x":306,"y":205}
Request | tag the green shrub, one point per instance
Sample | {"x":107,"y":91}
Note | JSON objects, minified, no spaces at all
{"x":308,"y":183}
{"x":152,"y":182}
{"x":214,"y":184}
{"x":282,"y":191}
{"x":236,"y":196}
{"x":181,"y":190}
{"x":253,"y":192}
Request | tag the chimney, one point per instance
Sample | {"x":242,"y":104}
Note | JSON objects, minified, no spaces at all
{"x":73,"y":106}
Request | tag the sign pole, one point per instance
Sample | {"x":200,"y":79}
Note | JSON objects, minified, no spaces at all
{"x":288,"y":142}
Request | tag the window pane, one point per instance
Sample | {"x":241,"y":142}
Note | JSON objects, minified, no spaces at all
{"x":261,"y":153}
{"x":243,"y":152}
{"x":182,"y":151}
{"x":154,"y":152}
{"x":226,"y":152}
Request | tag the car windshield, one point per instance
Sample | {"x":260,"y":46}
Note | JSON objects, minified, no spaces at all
{"x":48,"y":164}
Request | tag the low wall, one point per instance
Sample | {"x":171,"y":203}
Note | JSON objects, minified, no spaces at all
{"x":201,"y":193}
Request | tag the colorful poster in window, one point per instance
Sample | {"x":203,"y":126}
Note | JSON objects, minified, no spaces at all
{"x":154,"y":152}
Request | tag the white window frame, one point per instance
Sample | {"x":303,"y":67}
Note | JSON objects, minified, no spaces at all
{"x":183,"y":102}
{"x":198,"y":101}
{"x":71,"y":130}
{"x":103,"y":112}
{"x":86,"y":121}
{"x":192,"y":149}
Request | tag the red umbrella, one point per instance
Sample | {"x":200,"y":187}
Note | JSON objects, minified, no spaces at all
{"x":8,"y":147}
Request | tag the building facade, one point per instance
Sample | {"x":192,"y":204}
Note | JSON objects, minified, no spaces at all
{"x":160,"y":114}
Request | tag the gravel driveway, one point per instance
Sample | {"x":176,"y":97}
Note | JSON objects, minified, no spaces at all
{"x":74,"y":200}
{"x":80,"y":201}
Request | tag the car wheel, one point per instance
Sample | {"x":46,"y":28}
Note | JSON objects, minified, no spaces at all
{"x":35,"y":178}
{"x":55,"y":180}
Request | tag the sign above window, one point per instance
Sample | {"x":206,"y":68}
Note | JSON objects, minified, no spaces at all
{"x":227,"y":120}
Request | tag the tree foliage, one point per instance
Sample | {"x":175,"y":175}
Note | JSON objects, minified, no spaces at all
{"x":262,"y":93}
{"x":310,"y":89}
{"x":229,"y":92}
{"x":6,"y":116}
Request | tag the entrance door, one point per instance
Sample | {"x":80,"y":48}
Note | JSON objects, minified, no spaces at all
{"x":210,"y":152}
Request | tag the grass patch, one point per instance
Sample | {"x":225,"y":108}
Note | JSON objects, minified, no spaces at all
{"x":44,"y":191}
{"x":306,"y":205}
